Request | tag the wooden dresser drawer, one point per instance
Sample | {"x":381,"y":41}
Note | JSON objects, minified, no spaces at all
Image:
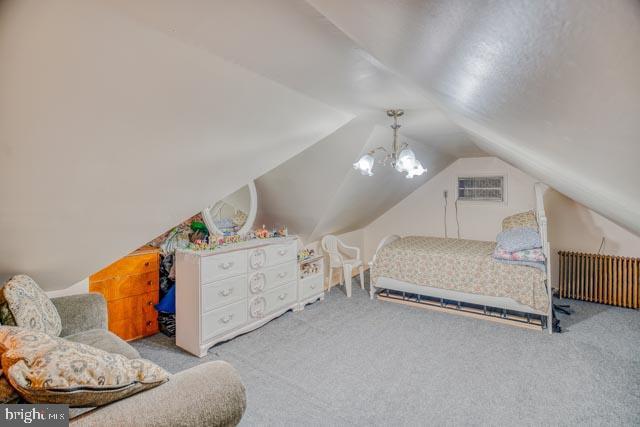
{"x":311,"y":286}
{"x":134,"y":317}
{"x":272,"y":277}
{"x":127,"y":286}
{"x":131,"y":288}
{"x":221,"y":266}
{"x":224,"y":292}
{"x":272,"y":255}
{"x":277,"y":254}
{"x":273,"y":300}
{"x":129,"y":265}
{"x":224,"y":319}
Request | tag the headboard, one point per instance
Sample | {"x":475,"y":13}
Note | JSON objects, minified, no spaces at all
{"x":541,"y":217}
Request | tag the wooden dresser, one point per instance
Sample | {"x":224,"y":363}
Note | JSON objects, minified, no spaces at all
{"x":131,"y":288}
{"x":224,"y":293}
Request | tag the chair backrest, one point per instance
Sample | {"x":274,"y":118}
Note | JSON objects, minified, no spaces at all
{"x":330,"y":246}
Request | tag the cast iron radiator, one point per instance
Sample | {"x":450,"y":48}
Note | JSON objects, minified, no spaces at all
{"x":605,"y":279}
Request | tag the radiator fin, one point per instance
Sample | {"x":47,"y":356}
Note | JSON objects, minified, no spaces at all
{"x":605,"y":279}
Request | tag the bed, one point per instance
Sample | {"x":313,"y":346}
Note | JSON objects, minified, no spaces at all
{"x":461,"y":275}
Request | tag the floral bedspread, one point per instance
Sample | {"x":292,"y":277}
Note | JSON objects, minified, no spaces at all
{"x":460,"y":265}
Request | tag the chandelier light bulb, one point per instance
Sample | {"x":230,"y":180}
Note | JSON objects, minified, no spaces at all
{"x":416,"y":170}
{"x":365,"y":165}
{"x":406,"y":160}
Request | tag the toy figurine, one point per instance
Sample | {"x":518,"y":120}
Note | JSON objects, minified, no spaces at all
{"x":282,"y":231}
{"x":262,"y":233}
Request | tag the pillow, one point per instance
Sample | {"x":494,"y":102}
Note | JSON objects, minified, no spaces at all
{"x":535,"y":254}
{"x":522,"y":219}
{"x":519,"y":239}
{"x":46,"y":369}
{"x":30,"y":306}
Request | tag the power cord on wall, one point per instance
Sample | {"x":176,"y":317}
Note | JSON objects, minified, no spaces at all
{"x":601,"y":246}
{"x":445,"y":193}
{"x":457,"y":221}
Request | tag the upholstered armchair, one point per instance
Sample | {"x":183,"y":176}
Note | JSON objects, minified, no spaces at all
{"x":208,"y":394}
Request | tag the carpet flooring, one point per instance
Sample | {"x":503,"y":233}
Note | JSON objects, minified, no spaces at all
{"x":361,"y":362}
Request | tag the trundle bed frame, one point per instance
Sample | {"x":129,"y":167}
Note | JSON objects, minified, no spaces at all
{"x":499,"y":309}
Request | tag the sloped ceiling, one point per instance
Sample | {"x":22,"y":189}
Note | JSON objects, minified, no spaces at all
{"x":318,"y":192}
{"x":111,"y":133}
{"x":552,"y":87}
{"x":118,"y":119}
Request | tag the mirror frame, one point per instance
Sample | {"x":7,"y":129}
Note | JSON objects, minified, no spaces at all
{"x":251,"y":215}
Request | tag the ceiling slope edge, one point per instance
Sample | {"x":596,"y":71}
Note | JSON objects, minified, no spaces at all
{"x":586,"y":184}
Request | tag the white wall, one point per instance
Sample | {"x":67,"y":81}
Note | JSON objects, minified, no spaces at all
{"x":112,"y":132}
{"x":571,"y":225}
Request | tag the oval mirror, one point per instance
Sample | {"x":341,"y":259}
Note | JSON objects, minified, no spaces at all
{"x":234,"y":214}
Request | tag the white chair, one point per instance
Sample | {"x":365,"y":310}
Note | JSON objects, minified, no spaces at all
{"x":344,"y":257}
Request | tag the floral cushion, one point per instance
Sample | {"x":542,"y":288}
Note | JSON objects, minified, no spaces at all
{"x":46,"y":369}
{"x":519,"y":239}
{"x":30,"y":306}
{"x":535,"y":254}
{"x":522,"y":219}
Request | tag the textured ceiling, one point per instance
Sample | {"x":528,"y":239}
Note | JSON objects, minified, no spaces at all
{"x":553,"y":87}
{"x":118,"y":119}
{"x":318,"y":192}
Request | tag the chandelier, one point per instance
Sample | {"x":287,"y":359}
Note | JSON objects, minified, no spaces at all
{"x":400,"y":157}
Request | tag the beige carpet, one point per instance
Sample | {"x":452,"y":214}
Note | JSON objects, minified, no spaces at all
{"x":362,"y":362}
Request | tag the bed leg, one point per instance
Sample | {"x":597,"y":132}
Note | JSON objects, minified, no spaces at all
{"x":372,"y":290}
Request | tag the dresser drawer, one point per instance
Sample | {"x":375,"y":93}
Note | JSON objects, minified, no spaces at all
{"x":272,"y":277}
{"x":227,"y":291}
{"x":223,"y":319}
{"x":134,"y":317}
{"x":311,"y":286}
{"x":273,"y":300}
{"x":127,"y":286}
{"x":221,"y":266}
{"x":133,"y":264}
{"x":272,"y":254}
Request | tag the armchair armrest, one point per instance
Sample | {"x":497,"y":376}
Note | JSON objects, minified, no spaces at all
{"x":81,"y":312}
{"x":349,"y":249}
{"x":210,"y":394}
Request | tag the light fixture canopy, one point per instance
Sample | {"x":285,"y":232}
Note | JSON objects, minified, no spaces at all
{"x":400,"y":157}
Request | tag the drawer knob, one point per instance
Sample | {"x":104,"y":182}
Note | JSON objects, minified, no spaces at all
{"x":282,"y":296}
{"x":226,"y":292}
{"x":226,"y":319}
{"x":282,"y":274}
{"x":313,"y":286}
{"x":149,"y":303}
{"x":146,"y":264}
{"x":149,"y":282}
{"x":282,"y":252}
{"x":148,"y":322}
{"x":226,"y":265}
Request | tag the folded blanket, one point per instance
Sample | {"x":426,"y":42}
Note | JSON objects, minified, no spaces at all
{"x":529,"y":257}
{"x":534,"y":255}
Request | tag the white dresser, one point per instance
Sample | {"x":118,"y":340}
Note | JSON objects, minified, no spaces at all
{"x":230,"y":291}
